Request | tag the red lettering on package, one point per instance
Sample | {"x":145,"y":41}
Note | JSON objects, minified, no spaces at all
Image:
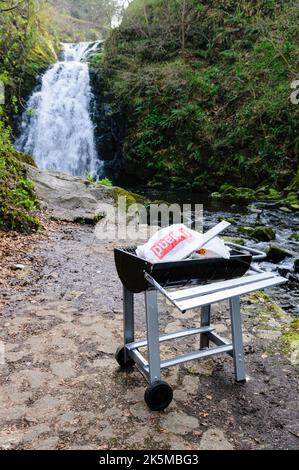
{"x":166,"y":244}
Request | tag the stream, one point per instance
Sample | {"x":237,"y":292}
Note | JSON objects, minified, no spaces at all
{"x":284,"y":224}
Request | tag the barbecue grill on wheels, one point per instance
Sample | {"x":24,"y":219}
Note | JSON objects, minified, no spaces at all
{"x":187,"y":284}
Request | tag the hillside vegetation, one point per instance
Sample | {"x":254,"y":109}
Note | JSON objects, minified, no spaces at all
{"x":205,"y":88}
{"x":26,"y":50}
{"x":82,"y":20}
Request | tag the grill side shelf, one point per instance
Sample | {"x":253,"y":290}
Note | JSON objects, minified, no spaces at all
{"x":207,"y":295}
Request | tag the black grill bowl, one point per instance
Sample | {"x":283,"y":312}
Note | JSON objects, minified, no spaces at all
{"x":131,"y":269}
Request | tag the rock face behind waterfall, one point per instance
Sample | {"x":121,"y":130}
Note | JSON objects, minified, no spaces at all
{"x":109,"y":129}
{"x":57,"y":129}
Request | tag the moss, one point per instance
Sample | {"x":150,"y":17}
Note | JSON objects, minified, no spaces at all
{"x":294,"y":186}
{"x":261,"y":233}
{"x":267,"y":193}
{"x":238,"y":241}
{"x":131,"y":198}
{"x":290,"y":340}
{"x":230,"y":193}
{"x":294,"y":236}
{"x":231,"y":220}
{"x":18,"y":202}
{"x":275,"y":254}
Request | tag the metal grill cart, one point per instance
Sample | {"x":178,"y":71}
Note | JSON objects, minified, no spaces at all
{"x":187,"y":284}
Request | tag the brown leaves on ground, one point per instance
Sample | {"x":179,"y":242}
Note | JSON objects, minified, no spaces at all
{"x":16,"y":256}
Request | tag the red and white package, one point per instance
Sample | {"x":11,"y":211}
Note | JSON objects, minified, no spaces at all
{"x":171,"y":244}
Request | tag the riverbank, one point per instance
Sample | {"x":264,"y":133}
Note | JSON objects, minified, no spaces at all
{"x":61,"y":322}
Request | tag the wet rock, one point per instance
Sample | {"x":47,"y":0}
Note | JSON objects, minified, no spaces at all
{"x":180,"y":423}
{"x":238,"y":241}
{"x":214,"y":439}
{"x":34,"y":378}
{"x":232,"y":194}
{"x":204,"y":367}
{"x":63,"y":370}
{"x":296,"y":266}
{"x":176,"y":443}
{"x":140,"y":411}
{"x":47,"y":444}
{"x":190,"y":384}
{"x":275,"y":254}
{"x":294,"y":236}
{"x":261,"y":233}
{"x":36,"y":431}
{"x":69,"y":198}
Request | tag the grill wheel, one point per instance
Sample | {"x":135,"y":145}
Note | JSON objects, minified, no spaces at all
{"x":158,"y":396}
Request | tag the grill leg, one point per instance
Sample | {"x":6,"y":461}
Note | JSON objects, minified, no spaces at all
{"x":237,"y":336}
{"x":205,"y":321}
{"x":153,"y":335}
{"x":128,"y":318}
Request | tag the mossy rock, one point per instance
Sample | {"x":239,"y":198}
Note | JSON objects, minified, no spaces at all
{"x":24,"y":158}
{"x":294,"y":186}
{"x":216,"y":196}
{"x":294,"y":236}
{"x":275,"y":254}
{"x":131,"y":198}
{"x":290,"y":341}
{"x":231,"y":220}
{"x":264,"y":234}
{"x":177,"y":182}
{"x":238,"y":241}
{"x":260,"y":233}
{"x":232,"y":194}
{"x":268,"y":194}
{"x":246,"y":230}
{"x":286,"y":210}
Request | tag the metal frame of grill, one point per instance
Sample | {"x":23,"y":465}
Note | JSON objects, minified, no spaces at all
{"x":185,"y":298}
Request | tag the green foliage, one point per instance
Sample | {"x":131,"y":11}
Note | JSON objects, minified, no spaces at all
{"x":25,"y":51}
{"x":90,"y":178}
{"x":105,"y":182}
{"x":205,"y":90}
{"x":18,"y":202}
{"x":82,"y":20}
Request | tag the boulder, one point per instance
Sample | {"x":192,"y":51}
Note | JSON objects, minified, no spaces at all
{"x":70,"y":198}
{"x":261,"y":233}
{"x":275,"y":254}
{"x":294,"y":236}
{"x":238,"y":241}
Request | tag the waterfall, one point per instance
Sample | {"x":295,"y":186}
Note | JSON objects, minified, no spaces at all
{"x":56,"y":127}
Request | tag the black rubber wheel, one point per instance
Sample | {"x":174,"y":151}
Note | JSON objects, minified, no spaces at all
{"x":158,"y":396}
{"x":120,"y":357}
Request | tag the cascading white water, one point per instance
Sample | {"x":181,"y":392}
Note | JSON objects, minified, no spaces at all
{"x":56,"y":128}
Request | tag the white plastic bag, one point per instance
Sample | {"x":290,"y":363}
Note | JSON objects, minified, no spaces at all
{"x":170,"y":244}
{"x":216,"y":248}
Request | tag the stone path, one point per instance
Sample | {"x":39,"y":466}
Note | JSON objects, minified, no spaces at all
{"x":61,"y":387}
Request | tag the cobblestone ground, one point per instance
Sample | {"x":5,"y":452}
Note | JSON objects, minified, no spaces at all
{"x":62,"y":389}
